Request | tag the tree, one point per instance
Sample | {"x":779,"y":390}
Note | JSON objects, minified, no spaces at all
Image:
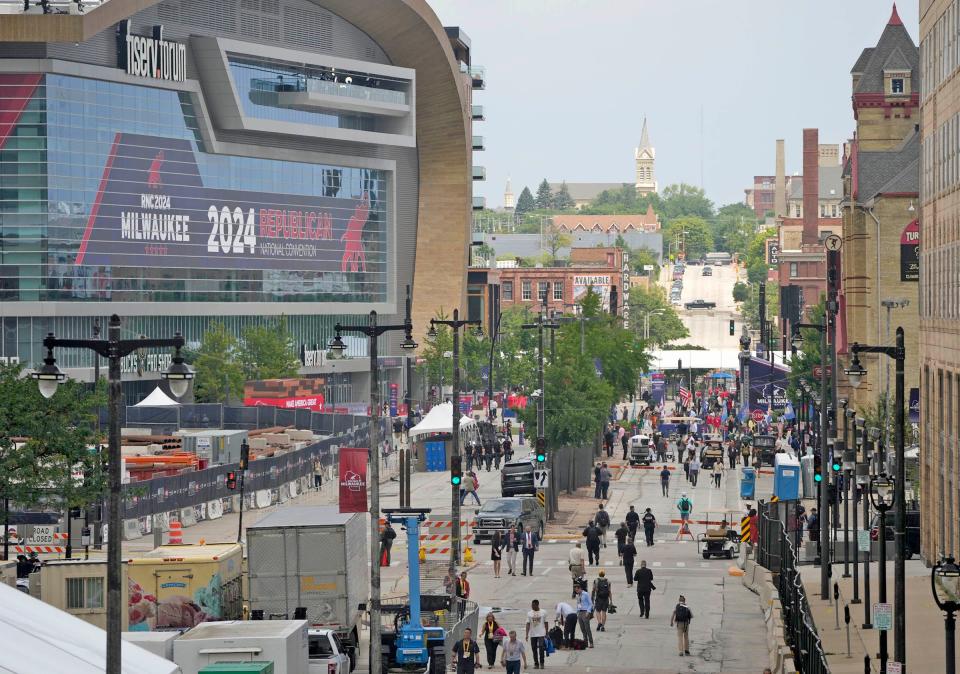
{"x":525,"y":203}
{"x":268,"y":351}
{"x":665,"y":326}
{"x":544,"y":196}
{"x":734,"y":228}
{"x":562,"y":201}
{"x":219,"y":376}
{"x":741,"y":291}
{"x":693,"y":234}
{"x":621,"y":200}
{"x":643,"y":257}
{"x":554,"y":239}
{"x":56,"y":438}
{"x":682,"y":200}
{"x":756,"y":256}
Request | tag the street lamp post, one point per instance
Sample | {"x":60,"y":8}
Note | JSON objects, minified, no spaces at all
{"x":856,"y":442}
{"x":883,"y":495}
{"x":796,"y":341}
{"x":455,"y":324}
{"x":863,"y":479}
{"x":48,"y":377}
{"x":373,"y":330}
{"x":947,"y":571}
{"x":744,"y":369}
{"x":856,"y":372}
{"x":848,"y":461}
{"x":494,"y":337}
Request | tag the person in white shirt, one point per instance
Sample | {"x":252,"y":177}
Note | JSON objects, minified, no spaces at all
{"x":567,"y":616}
{"x":537,"y":633}
{"x":577,"y":561}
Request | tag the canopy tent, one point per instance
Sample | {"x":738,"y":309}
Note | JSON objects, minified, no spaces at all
{"x":707,"y":359}
{"x":157,"y":399}
{"x":42,"y":638}
{"x":439,"y":420}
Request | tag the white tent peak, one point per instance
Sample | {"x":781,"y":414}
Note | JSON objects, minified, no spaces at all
{"x":439,"y":420}
{"x":157,"y":399}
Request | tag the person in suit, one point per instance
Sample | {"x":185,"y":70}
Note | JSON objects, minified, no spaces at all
{"x":644,"y":581}
{"x":529,"y":543}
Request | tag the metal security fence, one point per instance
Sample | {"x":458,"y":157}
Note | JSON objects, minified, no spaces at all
{"x":572,"y":468}
{"x":776,"y":551}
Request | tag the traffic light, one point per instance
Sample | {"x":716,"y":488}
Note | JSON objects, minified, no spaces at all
{"x":231,"y":480}
{"x":817,"y":468}
{"x":733,"y":327}
{"x":835,"y":464}
{"x":456,"y":470}
{"x":244,"y":455}
{"x":541,"y":450}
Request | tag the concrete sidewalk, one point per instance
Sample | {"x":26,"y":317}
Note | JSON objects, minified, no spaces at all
{"x":925,"y":623}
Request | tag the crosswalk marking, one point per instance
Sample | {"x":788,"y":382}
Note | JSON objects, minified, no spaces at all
{"x":658,"y":563}
{"x":681,"y":564}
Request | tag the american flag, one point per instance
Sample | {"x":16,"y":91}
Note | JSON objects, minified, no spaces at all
{"x":685,"y":396}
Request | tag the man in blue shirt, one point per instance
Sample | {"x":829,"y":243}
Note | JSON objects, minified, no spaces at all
{"x":584,"y":611}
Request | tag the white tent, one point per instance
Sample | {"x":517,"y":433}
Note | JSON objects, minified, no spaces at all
{"x":157,"y":399}
{"x":439,"y":420}
{"x":41,"y":638}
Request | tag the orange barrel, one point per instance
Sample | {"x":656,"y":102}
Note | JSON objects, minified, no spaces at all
{"x":176,"y":533}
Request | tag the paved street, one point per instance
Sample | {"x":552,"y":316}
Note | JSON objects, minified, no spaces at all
{"x":708,"y":328}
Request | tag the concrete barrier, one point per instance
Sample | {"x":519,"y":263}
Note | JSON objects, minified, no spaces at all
{"x":760,"y":581}
{"x":214,"y":509}
{"x":263,"y":499}
{"x":188,"y":517}
{"x":131,"y":530}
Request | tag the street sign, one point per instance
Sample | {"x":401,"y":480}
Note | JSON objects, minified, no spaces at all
{"x":833,"y":243}
{"x":758,"y":415}
{"x":541,"y":478}
{"x":883,"y":616}
{"x":648,"y":267}
{"x":42,"y":535}
{"x":894,"y":667}
{"x":863,"y":540}
{"x":818,"y":371}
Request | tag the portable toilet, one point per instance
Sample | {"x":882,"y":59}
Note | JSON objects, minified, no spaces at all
{"x":748,"y":482}
{"x":786,"y":477}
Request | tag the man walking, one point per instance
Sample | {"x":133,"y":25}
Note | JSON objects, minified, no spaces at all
{"x":694,"y":470}
{"x":512,"y":544}
{"x":665,"y":481}
{"x":681,"y":617}
{"x":467,"y":653}
{"x":592,"y":536}
{"x":644,"y":580}
{"x":717,"y":472}
{"x":596,"y":481}
{"x":536,"y":633}
{"x":629,"y":555}
{"x":649,"y":524}
{"x":514,"y":653}
{"x":625,"y":443}
{"x":685,"y":506}
{"x":633,"y":522}
{"x":576,"y":561}
{"x":530,"y":543}
{"x":605,"y":476}
{"x":584,"y":611}
{"x":621,"y":535}
{"x":603,"y":521}
{"x":469,"y":487}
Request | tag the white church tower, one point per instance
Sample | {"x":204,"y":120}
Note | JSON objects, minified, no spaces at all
{"x":508,"y":202}
{"x":645,"y":156}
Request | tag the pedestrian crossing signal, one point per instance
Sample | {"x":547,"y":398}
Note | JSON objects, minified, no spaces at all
{"x":817,"y":468}
{"x":456,"y":470}
{"x":231,"y":480}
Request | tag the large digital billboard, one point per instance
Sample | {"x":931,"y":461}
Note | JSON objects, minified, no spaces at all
{"x":153,"y":209}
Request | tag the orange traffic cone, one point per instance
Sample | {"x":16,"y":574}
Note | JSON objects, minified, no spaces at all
{"x":176,"y":533}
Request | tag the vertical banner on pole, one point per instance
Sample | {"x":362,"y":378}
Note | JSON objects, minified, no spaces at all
{"x":353,"y":479}
{"x":394,"y":394}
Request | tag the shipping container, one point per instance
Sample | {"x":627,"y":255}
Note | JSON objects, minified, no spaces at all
{"x":181,"y":586}
{"x":284,"y":643}
{"x":312,"y":557}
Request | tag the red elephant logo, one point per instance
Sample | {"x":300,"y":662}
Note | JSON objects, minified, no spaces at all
{"x":354,"y":255}
{"x":153,"y":173}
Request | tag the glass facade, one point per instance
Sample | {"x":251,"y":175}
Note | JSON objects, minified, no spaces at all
{"x":107,"y":193}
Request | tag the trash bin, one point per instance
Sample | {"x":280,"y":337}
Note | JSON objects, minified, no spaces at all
{"x":748,"y":482}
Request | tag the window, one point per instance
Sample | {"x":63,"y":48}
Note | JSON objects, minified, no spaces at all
{"x":508,"y":291}
{"x":823,"y":210}
{"x":793,"y":270}
{"x":542,"y":288}
{"x":527,"y":292}
{"x":834,"y":209}
{"x":84,"y":593}
{"x":896,"y":85}
{"x":558,"y":291}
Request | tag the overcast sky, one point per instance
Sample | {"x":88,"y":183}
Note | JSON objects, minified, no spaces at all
{"x":570,"y":81}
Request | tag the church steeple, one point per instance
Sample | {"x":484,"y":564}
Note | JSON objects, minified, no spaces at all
{"x":645,"y":157}
{"x":508,"y":202}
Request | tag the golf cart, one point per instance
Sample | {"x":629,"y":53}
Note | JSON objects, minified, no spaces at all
{"x":765,"y":446}
{"x":721,"y":539}
{"x":712,"y":450}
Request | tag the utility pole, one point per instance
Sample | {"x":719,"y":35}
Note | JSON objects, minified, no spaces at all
{"x":551,"y":500}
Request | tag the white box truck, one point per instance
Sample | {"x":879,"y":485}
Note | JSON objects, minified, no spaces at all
{"x":282,"y":642}
{"x":311,"y":558}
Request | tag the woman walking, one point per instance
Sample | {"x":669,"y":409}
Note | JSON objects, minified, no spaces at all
{"x":496,"y":553}
{"x":491,"y":640}
{"x":717,"y":472}
{"x":602,"y":594}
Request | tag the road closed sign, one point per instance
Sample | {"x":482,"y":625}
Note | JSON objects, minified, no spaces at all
{"x":42,"y":535}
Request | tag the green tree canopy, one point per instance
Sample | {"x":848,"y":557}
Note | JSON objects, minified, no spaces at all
{"x":734,"y":227}
{"x":562,"y":201}
{"x":621,"y":200}
{"x":756,"y":256}
{"x":750,"y":308}
{"x":44,"y":442}
{"x":268,"y":352}
{"x":665,"y":325}
{"x":218,"y":372}
{"x":525,"y":202}
{"x":693,"y":231}
{"x":544,"y":195}
{"x":683,"y":200}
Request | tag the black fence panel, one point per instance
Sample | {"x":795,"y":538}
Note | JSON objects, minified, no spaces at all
{"x":207,"y":415}
{"x":321,"y":423}
{"x":240,"y":417}
{"x":303,"y":418}
{"x":285,"y":417}
{"x":266,"y":416}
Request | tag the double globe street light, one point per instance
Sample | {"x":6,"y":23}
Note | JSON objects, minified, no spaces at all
{"x":883,"y":495}
{"x":49,"y":377}
{"x":945,"y":582}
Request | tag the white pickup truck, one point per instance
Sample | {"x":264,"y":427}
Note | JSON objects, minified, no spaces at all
{"x":327,"y":655}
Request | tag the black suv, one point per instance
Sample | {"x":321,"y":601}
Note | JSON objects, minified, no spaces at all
{"x":913,"y":530}
{"x":516,"y":479}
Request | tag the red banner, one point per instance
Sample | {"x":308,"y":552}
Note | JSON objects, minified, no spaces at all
{"x":353,"y":479}
{"x":313,"y":402}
